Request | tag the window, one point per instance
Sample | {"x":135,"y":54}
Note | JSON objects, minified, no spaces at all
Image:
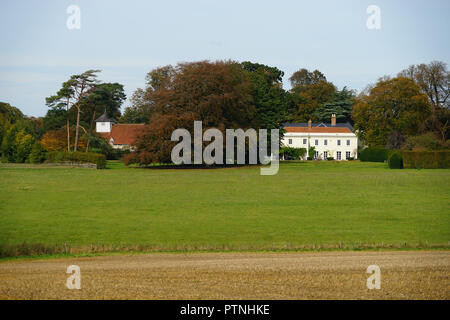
{"x":304,"y":141}
{"x":103,"y":124}
{"x":325,"y":142}
{"x":338,"y":155}
{"x":347,"y":155}
{"x":339,"y":142}
{"x":348,"y":142}
{"x":316,"y":154}
{"x":325,"y":155}
{"x":316,"y":142}
{"x":290,"y":141}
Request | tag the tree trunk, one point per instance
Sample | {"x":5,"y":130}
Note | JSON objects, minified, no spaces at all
{"x":68,"y":127}
{"x":68,"y":136}
{"x":77,"y":130}
{"x":90,"y":131}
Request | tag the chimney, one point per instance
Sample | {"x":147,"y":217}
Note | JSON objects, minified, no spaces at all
{"x":333,"y":119}
{"x":309,"y":124}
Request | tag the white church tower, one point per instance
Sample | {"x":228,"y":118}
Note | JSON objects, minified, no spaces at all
{"x":104,"y":124}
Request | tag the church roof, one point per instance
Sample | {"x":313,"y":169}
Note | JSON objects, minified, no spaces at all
{"x":124,"y":133}
{"x":104,"y":118}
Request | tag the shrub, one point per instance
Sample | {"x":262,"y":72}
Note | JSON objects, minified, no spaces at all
{"x":330,"y":158}
{"x":350,"y":158}
{"x":426,"y":159}
{"x":395,"y":160}
{"x":77,"y":157}
{"x":309,"y":158}
{"x":37,"y":154}
{"x":311,"y":152}
{"x":373,"y":155}
{"x":293,"y":153}
{"x":423,"y":142}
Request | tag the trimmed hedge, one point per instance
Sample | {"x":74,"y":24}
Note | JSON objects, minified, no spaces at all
{"x":395,"y":160}
{"x":374,"y":155}
{"x":77,"y":157}
{"x":426,"y":159}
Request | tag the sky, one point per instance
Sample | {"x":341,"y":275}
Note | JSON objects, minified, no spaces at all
{"x":127,"y":39}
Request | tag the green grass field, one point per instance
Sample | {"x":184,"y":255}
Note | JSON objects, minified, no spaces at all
{"x":305,"y":204}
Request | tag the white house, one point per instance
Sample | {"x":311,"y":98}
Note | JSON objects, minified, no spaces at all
{"x":335,"y":140}
{"x":119,"y":136}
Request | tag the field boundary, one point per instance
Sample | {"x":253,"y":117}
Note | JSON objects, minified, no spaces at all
{"x":38,"y":251}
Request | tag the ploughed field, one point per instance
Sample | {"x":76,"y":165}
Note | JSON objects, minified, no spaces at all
{"x":307,"y":205}
{"x":319,"y":275}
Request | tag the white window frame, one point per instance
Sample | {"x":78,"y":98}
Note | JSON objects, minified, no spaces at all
{"x":348,"y":142}
{"x":325,"y":155}
{"x":289,"y":141}
{"x":348,"y":154}
{"x":338,"y":142}
{"x":316,"y":142}
{"x":338,"y":155}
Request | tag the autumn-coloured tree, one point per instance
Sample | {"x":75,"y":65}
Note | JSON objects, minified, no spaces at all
{"x":311,"y":98}
{"x":216,"y":93}
{"x":392,"y":105}
{"x":303,"y":77}
{"x":56,"y":140}
{"x":60,"y":105}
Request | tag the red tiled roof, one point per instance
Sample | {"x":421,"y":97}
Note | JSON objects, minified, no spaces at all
{"x":318,"y":129}
{"x":124,"y":133}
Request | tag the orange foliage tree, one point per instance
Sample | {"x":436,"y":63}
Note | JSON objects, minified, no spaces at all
{"x":56,"y":140}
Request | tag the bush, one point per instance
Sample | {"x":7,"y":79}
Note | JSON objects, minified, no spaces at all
{"x":426,"y":159}
{"x":350,"y":158}
{"x":373,"y":155}
{"x":395,"y":160}
{"x":292,"y":153}
{"x":37,"y":154}
{"x":77,"y":157}
{"x":423,"y":142}
{"x":330,"y":158}
{"x":309,"y":158}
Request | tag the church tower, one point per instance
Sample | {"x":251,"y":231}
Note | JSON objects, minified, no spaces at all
{"x":104,"y":124}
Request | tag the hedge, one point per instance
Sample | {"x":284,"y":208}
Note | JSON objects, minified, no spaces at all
{"x":395,"y":160}
{"x":373,"y":155}
{"x":426,"y":159}
{"x":77,"y":157}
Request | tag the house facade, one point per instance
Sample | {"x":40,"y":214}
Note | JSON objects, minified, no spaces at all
{"x":119,"y":136}
{"x":335,"y":140}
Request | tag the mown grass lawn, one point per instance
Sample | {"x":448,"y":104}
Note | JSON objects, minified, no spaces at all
{"x":305,"y":204}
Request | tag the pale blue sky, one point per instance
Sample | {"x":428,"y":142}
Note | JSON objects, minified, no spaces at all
{"x":126,"y":39}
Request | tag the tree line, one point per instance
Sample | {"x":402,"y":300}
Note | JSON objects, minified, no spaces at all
{"x":409,"y":111}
